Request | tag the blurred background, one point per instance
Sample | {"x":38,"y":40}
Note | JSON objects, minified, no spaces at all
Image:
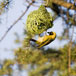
{"x":56,"y":59}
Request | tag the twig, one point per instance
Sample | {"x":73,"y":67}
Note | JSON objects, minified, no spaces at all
{"x":16,"y":21}
{"x":69,"y":52}
{"x":32,"y":4}
{"x":64,"y":4}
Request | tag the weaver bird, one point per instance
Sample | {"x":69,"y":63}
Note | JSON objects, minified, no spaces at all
{"x":45,"y":40}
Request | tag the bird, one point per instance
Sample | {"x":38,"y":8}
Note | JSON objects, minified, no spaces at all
{"x":45,"y":40}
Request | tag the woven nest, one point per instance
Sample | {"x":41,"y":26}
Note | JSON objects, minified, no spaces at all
{"x":38,"y":21}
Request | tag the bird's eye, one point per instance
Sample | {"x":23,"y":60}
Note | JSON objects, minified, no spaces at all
{"x":51,"y":33}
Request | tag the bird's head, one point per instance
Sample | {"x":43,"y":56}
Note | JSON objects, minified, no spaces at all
{"x":52,"y":34}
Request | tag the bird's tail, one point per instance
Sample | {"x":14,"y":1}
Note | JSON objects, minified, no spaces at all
{"x":33,"y":40}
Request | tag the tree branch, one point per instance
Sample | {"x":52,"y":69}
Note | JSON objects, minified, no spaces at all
{"x":64,"y":4}
{"x":69,"y":52}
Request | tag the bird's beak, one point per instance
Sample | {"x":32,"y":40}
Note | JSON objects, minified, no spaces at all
{"x":48,"y":33}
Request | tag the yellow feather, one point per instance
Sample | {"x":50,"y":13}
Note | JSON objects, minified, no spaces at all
{"x":46,"y":39}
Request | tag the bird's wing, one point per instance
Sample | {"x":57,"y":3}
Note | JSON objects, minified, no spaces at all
{"x":43,"y":43}
{"x":40,"y":40}
{"x":46,"y":41}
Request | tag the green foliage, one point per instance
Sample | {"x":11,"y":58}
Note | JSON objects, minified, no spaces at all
{"x":73,"y":55}
{"x":40,"y":59}
{"x":45,"y":62}
{"x":30,"y":56}
{"x":6,"y":67}
{"x":38,"y":21}
{"x":26,"y":41}
{"x":49,"y":3}
{"x":40,"y":70}
{"x":65,"y":53}
{"x":3,"y":4}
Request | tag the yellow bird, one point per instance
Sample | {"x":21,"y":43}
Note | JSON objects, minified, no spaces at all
{"x":46,"y":39}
